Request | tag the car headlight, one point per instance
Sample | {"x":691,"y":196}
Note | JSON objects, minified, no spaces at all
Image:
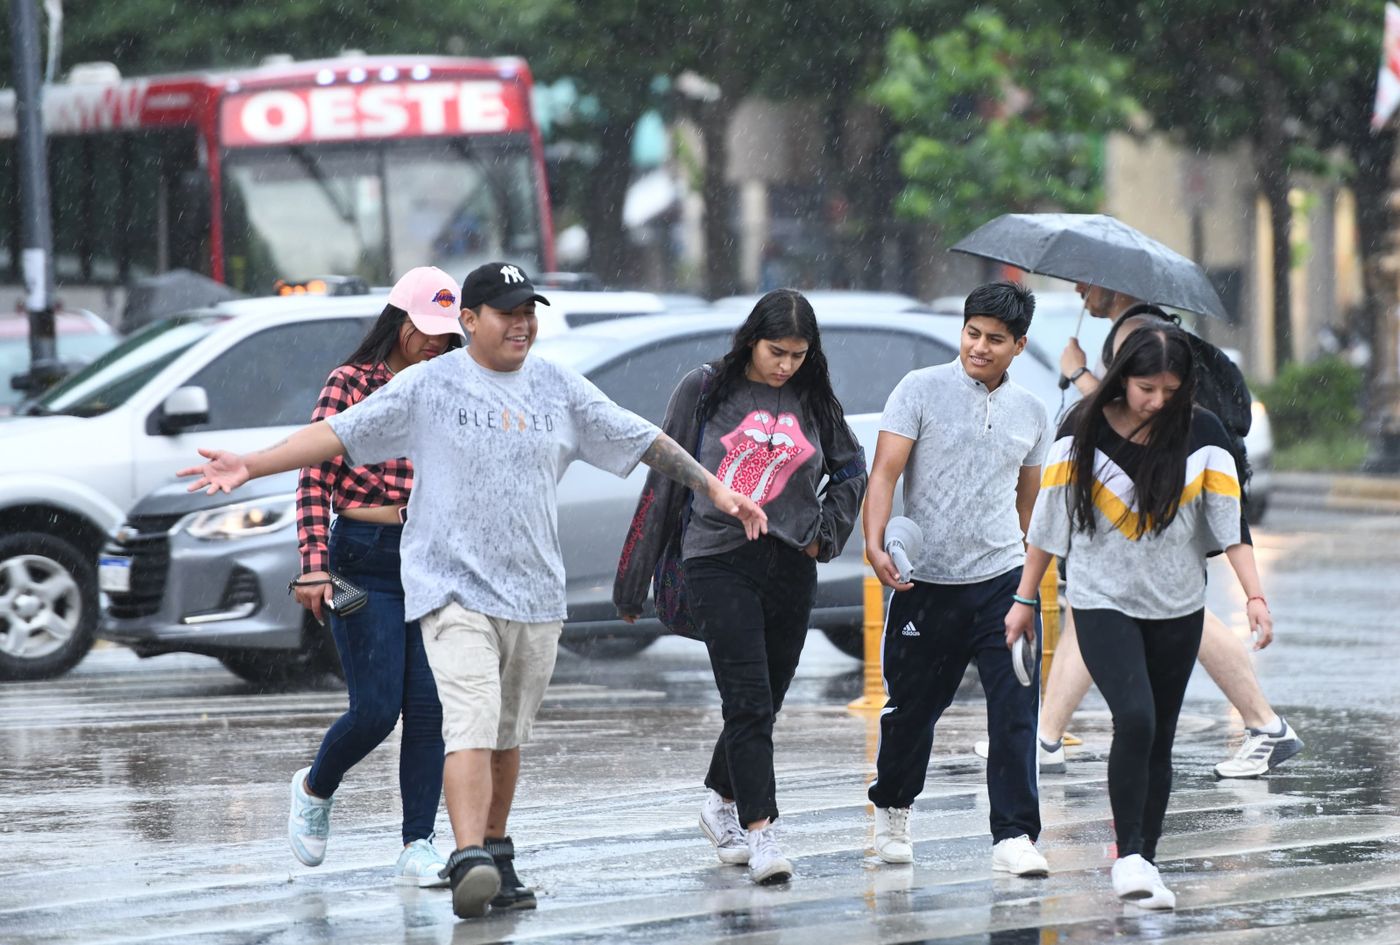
{"x":242,"y":520}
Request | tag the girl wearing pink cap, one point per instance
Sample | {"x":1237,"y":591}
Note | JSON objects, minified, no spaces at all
{"x":386,"y":670}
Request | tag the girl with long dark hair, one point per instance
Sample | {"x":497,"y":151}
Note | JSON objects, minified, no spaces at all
{"x":386,"y":669}
{"x":769,"y":426}
{"x":1139,"y":488}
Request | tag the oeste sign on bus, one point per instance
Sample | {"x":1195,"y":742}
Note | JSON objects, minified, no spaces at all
{"x":345,"y":113}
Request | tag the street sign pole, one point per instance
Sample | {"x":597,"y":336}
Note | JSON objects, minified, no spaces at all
{"x":36,"y":234}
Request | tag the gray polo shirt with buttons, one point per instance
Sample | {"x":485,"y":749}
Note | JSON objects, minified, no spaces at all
{"x":960,"y":481}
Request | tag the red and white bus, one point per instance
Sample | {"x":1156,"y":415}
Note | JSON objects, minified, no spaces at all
{"x":365,"y":165}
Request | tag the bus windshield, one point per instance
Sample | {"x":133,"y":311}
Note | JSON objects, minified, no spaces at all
{"x":110,"y":381}
{"x":378,"y":209}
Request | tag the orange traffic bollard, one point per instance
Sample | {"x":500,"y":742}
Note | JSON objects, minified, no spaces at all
{"x":1049,"y":621}
{"x":873,"y":696}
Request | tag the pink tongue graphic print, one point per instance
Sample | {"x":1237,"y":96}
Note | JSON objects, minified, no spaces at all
{"x":763,"y":452}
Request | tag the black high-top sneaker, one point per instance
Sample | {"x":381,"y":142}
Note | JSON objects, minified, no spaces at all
{"x":475,"y":881}
{"x":514,"y":894}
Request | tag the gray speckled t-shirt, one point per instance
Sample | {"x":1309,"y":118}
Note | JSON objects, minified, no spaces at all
{"x":960,"y":481}
{"x":488,"y":450}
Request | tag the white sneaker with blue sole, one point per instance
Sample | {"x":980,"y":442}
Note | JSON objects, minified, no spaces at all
{"x":309,"y":823}
{"x":421,"y":865}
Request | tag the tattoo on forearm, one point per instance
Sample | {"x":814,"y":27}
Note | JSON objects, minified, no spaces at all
{"x":666,"y":457}
{"x":262,"y":453}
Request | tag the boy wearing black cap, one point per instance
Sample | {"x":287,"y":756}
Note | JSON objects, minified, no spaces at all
{"x":485,"y":576}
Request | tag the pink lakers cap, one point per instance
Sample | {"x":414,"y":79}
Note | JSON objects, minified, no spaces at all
{"x":429,"y":296}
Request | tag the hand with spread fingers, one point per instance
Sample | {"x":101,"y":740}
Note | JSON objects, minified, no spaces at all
{"x":224,"y":472}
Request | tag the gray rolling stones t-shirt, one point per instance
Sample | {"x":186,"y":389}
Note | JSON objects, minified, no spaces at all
{"x":960,"y":481}
{"x":487,"y":451}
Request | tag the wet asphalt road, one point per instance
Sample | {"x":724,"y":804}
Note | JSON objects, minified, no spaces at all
{"x":146,"y":802}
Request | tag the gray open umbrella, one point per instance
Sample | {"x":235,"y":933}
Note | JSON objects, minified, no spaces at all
{"x":1099,"y":250}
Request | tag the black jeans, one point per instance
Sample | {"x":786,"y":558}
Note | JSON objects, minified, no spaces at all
{"x":1141,"y":667}
{"x":387,"y":674}
{"x":932,"y":632}
{"x":752,"y":605}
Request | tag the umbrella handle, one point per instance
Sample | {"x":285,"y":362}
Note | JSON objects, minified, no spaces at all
{"x":1064,"y":381}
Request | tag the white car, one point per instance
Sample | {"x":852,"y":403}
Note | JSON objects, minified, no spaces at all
{"x":237,"y":376}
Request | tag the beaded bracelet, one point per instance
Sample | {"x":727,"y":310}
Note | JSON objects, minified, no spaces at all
{"x":1028,"y":601}
{"x":1258,"y":597}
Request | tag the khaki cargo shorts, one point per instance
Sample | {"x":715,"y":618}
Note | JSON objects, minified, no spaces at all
{"x":491,"y":675}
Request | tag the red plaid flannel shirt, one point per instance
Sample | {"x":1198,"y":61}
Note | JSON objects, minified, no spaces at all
{"x":338,"y":484}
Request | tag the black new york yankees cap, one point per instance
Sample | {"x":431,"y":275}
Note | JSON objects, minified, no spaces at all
{"x":502,"y":286}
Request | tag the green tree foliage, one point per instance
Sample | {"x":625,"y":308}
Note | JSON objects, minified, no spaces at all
{"x":996,"y":119}
{"x":1291,"y":78}
{"x":1317,"y":401}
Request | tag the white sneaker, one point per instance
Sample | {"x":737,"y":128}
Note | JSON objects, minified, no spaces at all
{"x":1162,"y":897}
{"x":1051,"y":762}
{"x":421,"y":865}
{"x":1019,"y":856}
{"x":719,"y":820}
{"x":309,"y":823}
{"x":1260,"y":753}
{"x":1134,"y":878}
{"x":892,"y":843}
{"x":767,"y":865}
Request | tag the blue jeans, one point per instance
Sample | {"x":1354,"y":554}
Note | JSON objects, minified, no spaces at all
{"x":386,"y":671}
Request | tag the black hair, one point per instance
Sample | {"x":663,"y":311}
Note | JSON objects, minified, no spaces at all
{"x":1158,"y":480}
{"x":1134,"y":311}
{"x":782,"y":313}
{"x":1009,"y":302}
{"x":379,"y":342}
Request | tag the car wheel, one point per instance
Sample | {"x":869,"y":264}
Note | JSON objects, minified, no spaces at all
{"x":849,"y":640}
{"x":48,"y":605}
{"x":615,"y":647}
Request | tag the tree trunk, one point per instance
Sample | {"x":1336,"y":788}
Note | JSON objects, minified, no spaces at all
{"x":607,"y":237}
{"x":1272,"y":168}
{"x":1376,"y":224}
{"x":721,"y":275}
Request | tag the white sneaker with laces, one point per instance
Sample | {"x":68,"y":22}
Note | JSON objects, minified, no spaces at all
{"x":420,"y":865}
{"x":892,"y":843}
{"x":1134,"y":878}
{"x":1162,"y":897}
{"x":1050,"y":759}
{"x":719,"y":820}
{"x":1019,"y":856}
{"x":767,"y":865}
{"x":1261,"y":752}
{"x":309,"y":822}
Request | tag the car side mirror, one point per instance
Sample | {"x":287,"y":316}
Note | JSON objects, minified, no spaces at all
{"x":185,"y":407}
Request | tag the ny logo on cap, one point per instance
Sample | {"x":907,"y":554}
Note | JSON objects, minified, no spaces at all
{"x":512,"y":274}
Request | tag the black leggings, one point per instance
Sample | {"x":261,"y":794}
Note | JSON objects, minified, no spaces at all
{"x":1141,"y":667}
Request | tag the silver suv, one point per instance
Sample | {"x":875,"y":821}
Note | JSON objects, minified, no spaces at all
{"x":227,"y":564}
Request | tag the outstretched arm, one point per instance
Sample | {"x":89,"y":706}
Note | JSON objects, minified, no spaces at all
{"x":225,"y":471}
{"x":667,"y":457}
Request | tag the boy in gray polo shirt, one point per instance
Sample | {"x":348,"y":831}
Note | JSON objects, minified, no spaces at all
{"x":969,"y":443}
